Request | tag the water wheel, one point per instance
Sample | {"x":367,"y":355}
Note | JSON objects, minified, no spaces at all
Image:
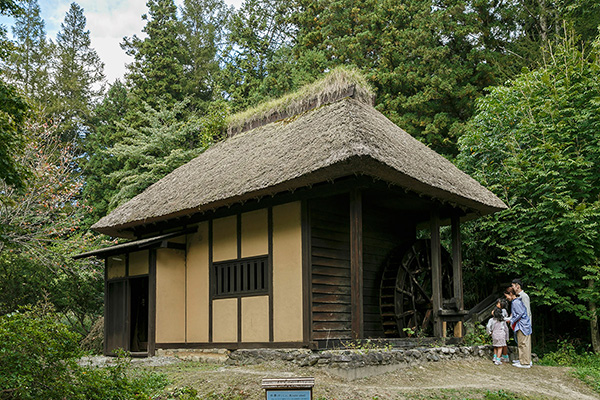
{"x":406,"y":290}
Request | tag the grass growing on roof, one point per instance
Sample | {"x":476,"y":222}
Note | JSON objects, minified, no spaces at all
{"x":331,"y":85}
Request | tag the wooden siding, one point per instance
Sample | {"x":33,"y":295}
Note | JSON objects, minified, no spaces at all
{"x":383,"y":229}
{"x":330,"y":267}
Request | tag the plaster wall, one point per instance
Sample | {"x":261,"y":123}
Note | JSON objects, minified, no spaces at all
{"x":225,"y":320}
{"x":115,"y":266}
{"x":255,"y":238}
{"x":225,"y":238}
{"x":255,"y":319}
{"x":170,"y":296}
{"x":138,"y":263}
{"x":197,"y":285}
{"x":287,"y":273}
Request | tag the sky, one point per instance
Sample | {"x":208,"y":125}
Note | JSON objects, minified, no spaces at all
{"x":108,"y":22}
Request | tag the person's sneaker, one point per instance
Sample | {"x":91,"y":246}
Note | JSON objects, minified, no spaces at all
{"x":516,"y":362}
{"x":497,"y":362}
{"x":505,"y":359}
{"x":519,"y":365}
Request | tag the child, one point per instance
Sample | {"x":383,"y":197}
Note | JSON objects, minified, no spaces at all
{"x":499,"y":331}
{"x":502,"y":304}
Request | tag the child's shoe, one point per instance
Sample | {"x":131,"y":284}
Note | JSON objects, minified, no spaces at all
{"x":505,"y":359}
{"x":495,"y":359}
{"x":498,"y":361}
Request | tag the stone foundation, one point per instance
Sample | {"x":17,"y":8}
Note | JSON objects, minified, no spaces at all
{"x":352,"y":364}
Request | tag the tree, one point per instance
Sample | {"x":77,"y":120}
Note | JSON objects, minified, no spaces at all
{"x":157,"y":74}
{"x":534,"y":142}
{"x":429,"y":60}
{"x":107,"y":130}
{"x":13,"y":112}
{"x":203,"y":23}
{"x":77,"y":78}
{"x":258,"y":61}
{"x":28,"y":61}
{"x":164,"y":142}
{"x":40,"y":228}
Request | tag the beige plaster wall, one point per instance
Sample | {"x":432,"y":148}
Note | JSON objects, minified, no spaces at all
{"x":287,"y":273}
{"x":255,"y":319}
{"x":197,"y":285}
{"x":255,"y":239}
{"x":115,"y":266}
{"x":170,"y":296}
{"x":225,"y":238}
{"x":138,"y":262}
{"x":225,"y":320}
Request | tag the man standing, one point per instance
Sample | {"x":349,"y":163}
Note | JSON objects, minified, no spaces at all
{"x":518,"y":286}
{"x":519,"y":322}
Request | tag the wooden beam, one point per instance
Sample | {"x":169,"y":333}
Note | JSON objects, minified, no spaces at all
{"x":457,"y":276}
{"x":356,"y":264}
{"x":436,"y":272}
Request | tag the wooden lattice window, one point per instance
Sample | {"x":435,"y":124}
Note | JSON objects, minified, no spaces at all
{"x":241,"y":277}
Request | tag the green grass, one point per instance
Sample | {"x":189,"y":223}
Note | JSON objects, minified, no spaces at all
{"x":586,"y":365}
{"x":465,"y":394}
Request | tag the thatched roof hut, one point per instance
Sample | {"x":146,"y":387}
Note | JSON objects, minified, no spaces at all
{"x":340,"y":134}
{"x":301,"y":229}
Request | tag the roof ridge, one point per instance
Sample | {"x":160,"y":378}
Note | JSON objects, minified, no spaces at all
{"x":338,"y":84}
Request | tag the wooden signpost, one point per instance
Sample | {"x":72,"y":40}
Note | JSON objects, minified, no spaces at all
{"x":288,"y":388}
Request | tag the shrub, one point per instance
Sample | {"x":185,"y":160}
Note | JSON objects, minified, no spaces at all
{"x":38,"y":360}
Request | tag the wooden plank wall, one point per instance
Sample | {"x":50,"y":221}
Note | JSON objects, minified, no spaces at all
{"x":330,"y":261}
{"x":382,"y":231}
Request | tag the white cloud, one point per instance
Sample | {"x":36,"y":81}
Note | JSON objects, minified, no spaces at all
{"x":108,"y":22}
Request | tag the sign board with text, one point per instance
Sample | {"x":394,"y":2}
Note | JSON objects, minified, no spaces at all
{"x":288,"y":388}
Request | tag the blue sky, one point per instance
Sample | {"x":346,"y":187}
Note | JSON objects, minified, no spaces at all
{"x":108,"y":22}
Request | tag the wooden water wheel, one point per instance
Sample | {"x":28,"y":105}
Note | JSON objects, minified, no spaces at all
{"x":406,"y":290}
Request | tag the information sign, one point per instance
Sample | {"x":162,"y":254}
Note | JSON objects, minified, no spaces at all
{"x":288,"y":395}
{"x":288,"y":388}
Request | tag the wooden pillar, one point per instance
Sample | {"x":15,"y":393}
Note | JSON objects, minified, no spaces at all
{"x":356,"y":264}
{"x":152,"y":303}
{"x":436,"y":272}
{"x":457,"y":276}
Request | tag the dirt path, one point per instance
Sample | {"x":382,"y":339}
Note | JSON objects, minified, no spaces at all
{"x":441,"y":380}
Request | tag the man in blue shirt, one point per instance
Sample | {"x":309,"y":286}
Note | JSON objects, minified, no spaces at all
{"x":521,"y":324}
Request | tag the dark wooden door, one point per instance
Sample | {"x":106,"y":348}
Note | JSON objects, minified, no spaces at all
{"x":116,"y":321}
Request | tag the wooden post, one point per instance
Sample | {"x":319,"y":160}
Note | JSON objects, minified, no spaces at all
{"x":152,"y":303}
{"x":356,"y":264}
{"x":436,"y":272}
{"x":457,"y":277}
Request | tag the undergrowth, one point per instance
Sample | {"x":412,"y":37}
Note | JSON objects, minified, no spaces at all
{"x":586,"y":365}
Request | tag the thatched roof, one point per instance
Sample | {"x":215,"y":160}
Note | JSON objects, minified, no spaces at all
{"x":343,"y":138}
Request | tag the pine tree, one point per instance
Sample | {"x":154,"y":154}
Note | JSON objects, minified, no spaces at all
{"x":77,"y":78}
{"x":204,"y":23}
{"x":429,"y":60}
{"x":107,"y":130}
{"x":258,"y":55}
{"x":157,"y":72}
{"x":28,"y":62}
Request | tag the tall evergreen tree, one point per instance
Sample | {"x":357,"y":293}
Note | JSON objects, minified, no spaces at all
{"x":107,"y":130}
{"x":429,"y":60}
{"x":13,"y":112}
{"x":258,"y":49}
{"x":28,"y":62}
{"x":204,"y":23}
{"x":157,"y":72}
{"x":78,"y":75}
